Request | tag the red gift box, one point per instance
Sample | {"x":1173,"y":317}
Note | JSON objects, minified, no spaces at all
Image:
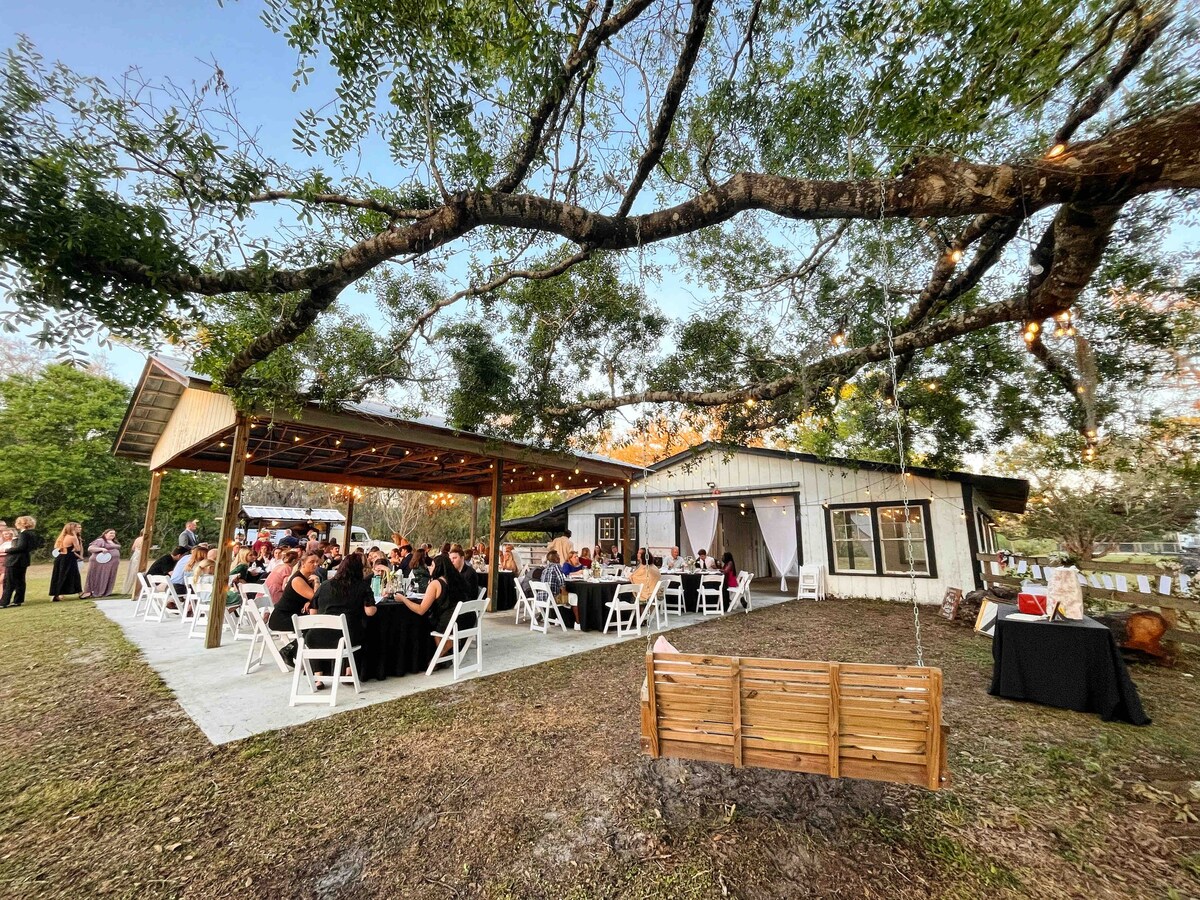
{"x":1033,"y":604}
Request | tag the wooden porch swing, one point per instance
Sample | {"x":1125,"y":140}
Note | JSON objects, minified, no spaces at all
{"x":836,"y":719}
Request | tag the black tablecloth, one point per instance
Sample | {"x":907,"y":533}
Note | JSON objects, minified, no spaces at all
{"x":1071,"y":665}
{"x":396,"y":642}
{"x":506,"y":591}
{"x":592,"y":597}
{"x":691,"y":590}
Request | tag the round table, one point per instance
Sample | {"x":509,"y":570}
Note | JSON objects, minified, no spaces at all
{"x":592,"y":595}
{"x":396,"y":641}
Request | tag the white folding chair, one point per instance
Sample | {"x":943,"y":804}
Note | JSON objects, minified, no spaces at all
{"x":1164,"y":584}
{"x":255,"y":599}
{"x":809,"y":585}
{"x":524,"y":602}
{"x":343,"y":653}
{"x":1185,"y":582}
{"x":673,"y":601}
{"x":1035,"y":572}
{"x":460,"y":640}
{"x":1109,"y":584}
{"x":265,"y":641}
{"x":741,"y":593}
{"x":161,"y":594}
{"x":660,"y":613}
{"x":544,"y":609}
{"x":1143,"y":582}
{"x":711,"y":603}
{"x":141,"y":597}
{"x":749,"y":580}
{"x":200,"y":599}
{"x":618,"y":606}
{"x":1022,"y":566}
{"x":191,"y":602}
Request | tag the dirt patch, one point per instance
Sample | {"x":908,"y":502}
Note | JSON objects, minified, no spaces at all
{"x":530,"y":784}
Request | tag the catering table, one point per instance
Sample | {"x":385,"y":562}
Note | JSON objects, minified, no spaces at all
{"x":396,"y":641}
{"x":1068,"y":664}
{"x":592,"y":596}
{"x":506,"y":591}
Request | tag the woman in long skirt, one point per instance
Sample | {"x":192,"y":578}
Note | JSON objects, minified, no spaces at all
{"x":105,"y":555}
{"x":135,"y":559}
{"x":65,"y":577}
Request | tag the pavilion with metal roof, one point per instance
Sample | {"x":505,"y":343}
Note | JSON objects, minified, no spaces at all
{"x":175,"y":420}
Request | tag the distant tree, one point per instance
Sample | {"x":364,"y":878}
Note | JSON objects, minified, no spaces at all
{"x":1144,"y":486}
{"x":56,"y":434}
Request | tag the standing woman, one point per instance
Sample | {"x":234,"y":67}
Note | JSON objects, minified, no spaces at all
{"x":16,"y":561}
{"x":64,"y":579}
{"x":6,"y":538}
{"x":135,"y":559}
{"x":104,"y":557}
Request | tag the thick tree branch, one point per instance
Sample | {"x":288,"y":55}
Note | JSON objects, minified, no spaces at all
{"x":692,"y":41}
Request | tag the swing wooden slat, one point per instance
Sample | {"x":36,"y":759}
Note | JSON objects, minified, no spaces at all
{"x":836,"y":719}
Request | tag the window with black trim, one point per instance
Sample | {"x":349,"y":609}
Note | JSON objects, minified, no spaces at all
{"x":853,"y":540}
{"x":902,"y":540}
{"x":609,"y":530}
{"x":881,"y":539}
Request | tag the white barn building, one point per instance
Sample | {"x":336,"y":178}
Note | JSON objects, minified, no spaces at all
{"x":775,"y":510}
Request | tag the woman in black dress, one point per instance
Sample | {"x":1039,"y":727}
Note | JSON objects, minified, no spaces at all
{"x":446,"y":588}
{"x":65,"y":577}
{"x":348,"y":592}
{"x":297,"y":594}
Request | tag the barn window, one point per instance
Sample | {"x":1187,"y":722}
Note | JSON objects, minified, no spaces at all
{"x":902,"y":542}
{"x":853,"y":540}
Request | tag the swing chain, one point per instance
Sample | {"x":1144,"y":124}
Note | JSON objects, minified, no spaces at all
{"x":899,"y":417}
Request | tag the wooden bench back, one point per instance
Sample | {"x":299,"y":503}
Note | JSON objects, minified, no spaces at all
{"x":835,"y":719}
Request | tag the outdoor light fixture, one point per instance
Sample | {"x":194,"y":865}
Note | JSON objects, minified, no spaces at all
{"x":442,"y":499}
{"x":1056,"y":150}
{"x":344,"y":492}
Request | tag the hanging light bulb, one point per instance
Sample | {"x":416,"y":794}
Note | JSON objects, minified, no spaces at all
{"x":1056,"y":151}
{"x":954,"y":256}
{"x":1035,"y":267}
{"x":839,"y":337}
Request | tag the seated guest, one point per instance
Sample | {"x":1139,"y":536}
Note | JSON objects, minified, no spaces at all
{"x":347,"y":592}
{"x":510,"y":560}
{"x":481,"y":551}
{"x":394,"y":558}
{"x":615,"y":557}
{"x":585,"y":558}
{"x":470,"y":576}
{"x":552,"y":575}
{"x":334,"y":556}
{"x":183,"y":568}
{"x":165,"y":564}
{"x":278,"y":576}
{"x":646,"y":574}
{"x":574,"y":564}
{"x":447,"y":588}
{"x":262,"y":543}
{"x":245,"y":569}
{"x":314,"y":543}
{"x":298,"y":592}
{"x":704,"y":561}
{"x":729,"y":570}
{"x":674,"y":562}
{"x":406,"y":557}
{"x":418,"y":569}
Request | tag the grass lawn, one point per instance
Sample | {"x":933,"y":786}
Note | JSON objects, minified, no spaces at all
{"x":530,"y":784}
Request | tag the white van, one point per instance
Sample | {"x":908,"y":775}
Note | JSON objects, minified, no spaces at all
{"x":358,"y":539}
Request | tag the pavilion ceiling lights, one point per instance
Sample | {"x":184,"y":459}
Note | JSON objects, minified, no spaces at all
{"x":442,"y":499}
{"x":345,"y":492}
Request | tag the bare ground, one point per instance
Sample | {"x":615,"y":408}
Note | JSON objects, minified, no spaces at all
{"x":530,"y":784}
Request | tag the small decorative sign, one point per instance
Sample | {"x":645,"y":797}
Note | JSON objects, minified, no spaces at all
{"x":950,"y":603}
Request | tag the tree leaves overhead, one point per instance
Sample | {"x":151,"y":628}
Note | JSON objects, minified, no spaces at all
{"x":877,"y":170}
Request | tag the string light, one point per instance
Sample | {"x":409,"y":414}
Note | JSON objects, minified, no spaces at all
{"x":954,"y":256}
{"x":1056,"y":151}
{"x":839,"y":337}
{"x":442,"y":499}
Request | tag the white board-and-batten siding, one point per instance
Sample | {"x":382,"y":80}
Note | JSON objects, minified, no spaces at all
{"x":198,"y":416}
{"x":745,"y":474}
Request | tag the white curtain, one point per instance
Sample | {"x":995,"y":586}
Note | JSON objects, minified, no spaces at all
{"x":700,"y":520}
{"x":777,"y":521}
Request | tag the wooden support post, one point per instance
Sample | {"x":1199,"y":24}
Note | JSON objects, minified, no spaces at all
{"x":835,"y":738}
{"x":625,"y":551}
{"x":156,"y":478}
{"x":735,"y":684}
{"x":349,"y":522}
{"x":652,"y":717}
{"x":494,"y":538}
{"x":229,"y":517}
{"x":474,"y":519}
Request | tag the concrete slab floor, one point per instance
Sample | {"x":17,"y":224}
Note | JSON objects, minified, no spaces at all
{"x":228,"y":706}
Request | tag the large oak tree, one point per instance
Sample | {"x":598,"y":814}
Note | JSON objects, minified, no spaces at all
{"x":948,"y":207}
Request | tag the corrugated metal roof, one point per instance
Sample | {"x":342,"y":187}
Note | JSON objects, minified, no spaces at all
{"x":292,"y":514}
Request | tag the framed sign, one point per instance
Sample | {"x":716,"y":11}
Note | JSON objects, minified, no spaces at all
{"x":985,"y":622}
{"x":950,"y":603}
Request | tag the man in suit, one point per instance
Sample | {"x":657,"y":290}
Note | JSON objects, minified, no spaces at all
{"x":16,"y":561}
{"x":188,"y":537}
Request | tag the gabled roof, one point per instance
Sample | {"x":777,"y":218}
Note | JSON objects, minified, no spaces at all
{"x":365,"y":444}
{"x":1004,"y":494}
